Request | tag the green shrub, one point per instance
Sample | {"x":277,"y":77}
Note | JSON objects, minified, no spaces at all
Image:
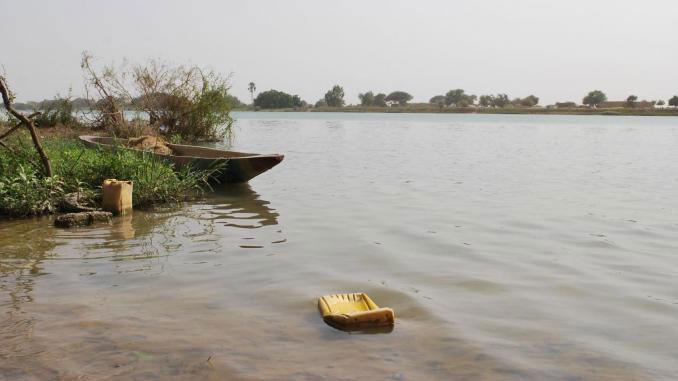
{"x":58,"y":111}
{"x":26,"y":193}
{"x":78,"y":168}
{"x":185,"y":101}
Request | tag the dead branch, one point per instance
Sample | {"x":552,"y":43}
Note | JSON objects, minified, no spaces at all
{"x":6,"y":99}
{"x":15,"y":128}
{"x":110,"y":112}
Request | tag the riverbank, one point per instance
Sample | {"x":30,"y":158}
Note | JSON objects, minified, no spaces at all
{"x":482,"y":110}
{"x":24,"y":191}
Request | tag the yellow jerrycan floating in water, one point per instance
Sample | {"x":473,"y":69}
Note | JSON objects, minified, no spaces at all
{"x":352,"y":312}
{"x":117,"y":196}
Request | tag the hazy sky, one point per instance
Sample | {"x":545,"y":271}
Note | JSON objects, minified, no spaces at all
{"x":558,"y":50}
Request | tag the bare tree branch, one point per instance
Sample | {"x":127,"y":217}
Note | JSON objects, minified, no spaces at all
{"x":15,"y":128}
{"x":6,"y":99}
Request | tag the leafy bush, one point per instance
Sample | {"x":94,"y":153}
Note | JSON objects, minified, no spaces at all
{"x":184,"y":101}
{"x":26,"y":193}
{"x":58,"y":111}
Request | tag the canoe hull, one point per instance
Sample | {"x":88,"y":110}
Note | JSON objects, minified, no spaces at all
{"x":238,"y":167}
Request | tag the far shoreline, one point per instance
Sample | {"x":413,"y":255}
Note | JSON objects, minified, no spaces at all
{"x":476,"y":110}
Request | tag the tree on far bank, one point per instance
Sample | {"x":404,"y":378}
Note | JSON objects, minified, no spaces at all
{"x":631,"y":100}
{"x":366,"y":99}
{"x":234,"y":101}
{"x":273,"y":99}
{"x":399,"y":97}
{"x":661,"y":102}
{"x":335,"y":96}
{"x":297,"y":102}
{"x":252,"y":88}
{"x":529,"y":101}
{"x":500,"y":100}
{"x":674,"y":101}
{"x":438,"y":100}
{"x":594,"y":98}
{"x":379,"y":100}
{"x":459,"y":98}
{"x":485,"y":100}
{"x":321,"y":103}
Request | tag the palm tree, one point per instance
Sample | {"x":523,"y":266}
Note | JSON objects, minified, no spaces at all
{"x":252,"y":88}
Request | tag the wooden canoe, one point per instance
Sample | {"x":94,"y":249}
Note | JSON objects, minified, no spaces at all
{"x":239,"y":167}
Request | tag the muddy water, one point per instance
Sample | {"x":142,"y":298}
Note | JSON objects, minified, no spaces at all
{"x":510,"y":247}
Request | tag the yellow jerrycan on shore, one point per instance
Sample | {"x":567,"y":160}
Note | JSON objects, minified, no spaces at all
{"x":117,"y":196}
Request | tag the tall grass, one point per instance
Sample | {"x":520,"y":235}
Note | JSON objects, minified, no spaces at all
{"x":78,"y":168}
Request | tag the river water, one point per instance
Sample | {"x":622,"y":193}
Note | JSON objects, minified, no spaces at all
{"x":511,"y":247}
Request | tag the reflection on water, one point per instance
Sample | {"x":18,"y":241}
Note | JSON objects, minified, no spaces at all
{"x":241,"y":207}
{"x":510,"y":248}
{"x":135,"y":243}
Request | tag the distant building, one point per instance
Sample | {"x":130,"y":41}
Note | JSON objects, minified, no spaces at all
{"x":624,"y":104}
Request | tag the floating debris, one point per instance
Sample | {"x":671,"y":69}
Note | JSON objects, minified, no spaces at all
{"x":356,"y":311}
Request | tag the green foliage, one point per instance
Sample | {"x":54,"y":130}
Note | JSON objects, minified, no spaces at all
{"x":459,"y":98}
{"x":207,"y":116}
{"x":23,"y":192}
{"x":297,"y":102}
{"x":661,"y":102}
{"x":335,"y":96}
{"x":399,"y":97}
{"x":500,"y":100}
{"x":274,"y":99}
{"x":594,"y":98}
{"x":235,"y":102}
{"x":673,"y":101}
{"x":529,"y":101}
{"x":485,"y":100}
{"x":321,"y":103}
{"x":59,"y":111}
{"x":366,"y":99}
{"x":438,"y":100}
{"x":379,"y":100}
{"x":185,"y":101}
{"x":154,"y":180}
